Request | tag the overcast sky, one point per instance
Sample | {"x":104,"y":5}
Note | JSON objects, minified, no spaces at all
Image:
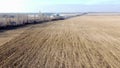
{"x":59,"y":6}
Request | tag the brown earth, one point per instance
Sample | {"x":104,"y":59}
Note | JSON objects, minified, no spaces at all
{"x":80,"y":42}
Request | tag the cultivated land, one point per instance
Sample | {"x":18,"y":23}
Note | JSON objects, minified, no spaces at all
{"x":80,"y":42}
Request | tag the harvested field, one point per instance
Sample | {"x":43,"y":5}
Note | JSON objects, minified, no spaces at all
{"x":80,"y":42}
{"x":6,"y":36}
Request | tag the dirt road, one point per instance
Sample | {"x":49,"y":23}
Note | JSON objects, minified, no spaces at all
{"x":81,"y":42}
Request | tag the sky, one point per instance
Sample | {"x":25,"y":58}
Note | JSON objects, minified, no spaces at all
{"x":9,"y":6}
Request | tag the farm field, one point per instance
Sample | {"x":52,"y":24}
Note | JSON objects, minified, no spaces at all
{"x":79,"y":42}
{"x":6,"y":36}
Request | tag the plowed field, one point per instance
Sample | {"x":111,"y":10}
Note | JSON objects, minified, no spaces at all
{"x":80,"y":42}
